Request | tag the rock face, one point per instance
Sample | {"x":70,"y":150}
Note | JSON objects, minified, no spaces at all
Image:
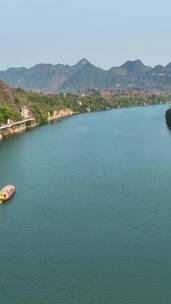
{"x":22,"y":126}
{"x":25,"y":112}
{"x":85,"y":75}
{"x":15,"y":128}
{"x":60,"y":114}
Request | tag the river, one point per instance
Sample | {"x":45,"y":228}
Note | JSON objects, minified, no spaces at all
{"x":91,"y":219}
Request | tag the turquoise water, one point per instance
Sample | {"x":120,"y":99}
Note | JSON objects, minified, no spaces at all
{"x":91,"y":219}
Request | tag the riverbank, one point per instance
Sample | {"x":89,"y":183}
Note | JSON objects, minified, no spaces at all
{"x":17,"y":105}
{"x":17,"y":127}
{"x":22,"y":126}
{"x":168,"y":117}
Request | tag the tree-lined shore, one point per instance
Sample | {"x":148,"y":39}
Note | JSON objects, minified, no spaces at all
{"x":16,"y":104}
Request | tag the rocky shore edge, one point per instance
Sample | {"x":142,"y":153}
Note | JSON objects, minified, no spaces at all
{"x":23,"y":125}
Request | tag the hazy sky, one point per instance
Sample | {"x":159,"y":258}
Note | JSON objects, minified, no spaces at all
{"x":107,"y":32}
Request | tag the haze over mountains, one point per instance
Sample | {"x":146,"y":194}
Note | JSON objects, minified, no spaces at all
{"x":85,"y":75}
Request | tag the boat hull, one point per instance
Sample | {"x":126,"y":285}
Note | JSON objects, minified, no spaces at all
{"x":6,"y":193}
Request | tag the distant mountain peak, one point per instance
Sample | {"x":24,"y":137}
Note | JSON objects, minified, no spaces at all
{"x":83,"y":62}
{"x":136,"y":66}
{"x":138,"y":61}
{"x":157,"y":69}
{"x":168,"y":66}
{"x":159,"y":66}
{"x":85,"y":75}
{"x":131,"y":63}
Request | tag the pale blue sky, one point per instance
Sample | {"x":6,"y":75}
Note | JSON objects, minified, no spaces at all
{"x":107,"y":32}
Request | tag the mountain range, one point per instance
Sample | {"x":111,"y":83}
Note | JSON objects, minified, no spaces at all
{"x":84,"y":75}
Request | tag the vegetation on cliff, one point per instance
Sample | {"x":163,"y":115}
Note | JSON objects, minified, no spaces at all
{"x":40,"y":106}
{"x":8,"y":113}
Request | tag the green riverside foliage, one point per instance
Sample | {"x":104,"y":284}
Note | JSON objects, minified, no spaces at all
{"x":8,"y":113}
{"x":41,"y":105}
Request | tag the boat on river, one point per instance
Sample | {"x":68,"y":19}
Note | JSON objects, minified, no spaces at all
{"x":6,"y":193}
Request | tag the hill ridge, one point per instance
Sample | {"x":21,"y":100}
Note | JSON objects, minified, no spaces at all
{"x":85,"y":75}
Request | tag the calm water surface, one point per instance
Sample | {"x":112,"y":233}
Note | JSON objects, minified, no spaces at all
{"x":91,"y":220}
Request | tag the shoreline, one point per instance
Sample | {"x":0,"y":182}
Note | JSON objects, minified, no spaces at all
{"x":20,"y":126}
